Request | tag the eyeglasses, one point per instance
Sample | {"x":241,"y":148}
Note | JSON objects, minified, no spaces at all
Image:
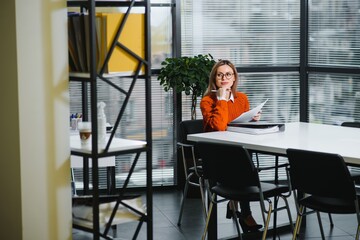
{"x":227,"y":75}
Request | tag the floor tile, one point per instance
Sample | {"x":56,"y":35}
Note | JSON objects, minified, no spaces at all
{"x":166,"y":205}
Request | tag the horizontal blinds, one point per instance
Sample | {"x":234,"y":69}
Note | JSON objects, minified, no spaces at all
{"x":334,"y":98}
{"x":282,"y":90}
{"x":246,"y":32}
{"x":161,"y":35}
{"x":249,"y":33}
{"x":334,"y":33}
{"x":163,"y":135}
{"x":160,"y":1}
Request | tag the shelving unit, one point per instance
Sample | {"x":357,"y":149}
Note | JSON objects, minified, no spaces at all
{"x":114,"y":146}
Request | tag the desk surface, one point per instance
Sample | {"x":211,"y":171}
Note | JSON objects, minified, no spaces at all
{"x":117,"y":144}
{"x":307,"y":136}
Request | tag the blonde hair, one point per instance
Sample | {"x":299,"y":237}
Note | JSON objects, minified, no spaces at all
{"x":212,"y":77}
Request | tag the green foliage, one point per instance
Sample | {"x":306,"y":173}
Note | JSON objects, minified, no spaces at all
{"x":186,"y":74}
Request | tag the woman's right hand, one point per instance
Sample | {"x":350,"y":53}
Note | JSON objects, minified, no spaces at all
{"x":223,"y":93}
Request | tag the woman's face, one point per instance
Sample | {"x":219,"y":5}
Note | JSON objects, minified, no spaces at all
{"x":224,"y":77}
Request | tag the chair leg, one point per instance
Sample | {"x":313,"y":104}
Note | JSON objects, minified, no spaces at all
{"x":208,"y":217}
{"x":235,"y":219}
{"x":183,"y":201}
{"x":298,"y":223}
{"x":288,"y":212}
{"x":267,"y":221}
{"x":331,"y":221}
{"x":276,"y":199}
{"x":320,"y":225}
{"x":297,"y":227}
{"x":203,"y":197}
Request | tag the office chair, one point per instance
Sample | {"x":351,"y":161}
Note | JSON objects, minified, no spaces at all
{"x":232,"y":175}
{"x":354,"y":171}
{"x":191,"y":162}
{"x":331,"y":191}
{"x":351,"y":124}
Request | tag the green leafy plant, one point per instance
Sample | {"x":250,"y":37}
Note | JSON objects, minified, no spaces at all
{"x":187,"y":74}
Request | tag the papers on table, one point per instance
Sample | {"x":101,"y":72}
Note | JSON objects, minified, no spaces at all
{"x":248,"y":116}
{"x":256,"y":127}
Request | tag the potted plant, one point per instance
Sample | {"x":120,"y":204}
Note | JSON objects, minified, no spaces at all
{"x":187,"y":74}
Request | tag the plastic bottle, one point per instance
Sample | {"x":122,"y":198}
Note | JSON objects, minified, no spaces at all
{"x":101,"y":124}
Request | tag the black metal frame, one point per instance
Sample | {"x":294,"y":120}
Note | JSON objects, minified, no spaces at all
{"x":91,"y":81}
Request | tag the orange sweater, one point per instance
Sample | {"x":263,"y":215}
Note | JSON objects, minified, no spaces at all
{"x":218,"y":113}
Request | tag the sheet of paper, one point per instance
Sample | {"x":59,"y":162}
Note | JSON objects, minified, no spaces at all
{"x":248,"y":116}
{"x":256,"y":131}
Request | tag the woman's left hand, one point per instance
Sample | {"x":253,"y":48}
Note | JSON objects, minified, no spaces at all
{"x":257,"y":116}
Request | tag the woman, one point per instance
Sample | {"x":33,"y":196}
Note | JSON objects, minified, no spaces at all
{"x":221,"y":104}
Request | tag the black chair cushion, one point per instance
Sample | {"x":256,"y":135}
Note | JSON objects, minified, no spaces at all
{"x":329,"y":205}
{"x":251,"y":193}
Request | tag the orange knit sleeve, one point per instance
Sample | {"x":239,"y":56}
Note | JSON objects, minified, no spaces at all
{"x":215,"y":114}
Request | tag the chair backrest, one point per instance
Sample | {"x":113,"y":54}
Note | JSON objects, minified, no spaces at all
{"x":189,"y":127}
{"x":229,"y":165}
{"x":320,"y":174}
{"x":351,"y":124}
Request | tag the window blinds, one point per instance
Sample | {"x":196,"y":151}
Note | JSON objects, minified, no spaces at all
{"x":251,"y":34}
{"x":246,"y":32}
{"x":334,"y":33}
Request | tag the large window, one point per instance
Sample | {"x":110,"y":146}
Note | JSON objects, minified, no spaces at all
{"x":262,"y":38}
{"x":334,"y":33}
{"x":252,"y":34}
{"x":334,"y":43}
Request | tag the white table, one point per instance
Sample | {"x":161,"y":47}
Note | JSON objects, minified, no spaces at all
{"x":105,"y":158}
{"x":307,"y":136}
{"x":344,"y":141}
{"x":117,"y":144}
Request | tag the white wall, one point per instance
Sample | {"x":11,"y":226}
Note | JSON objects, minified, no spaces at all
{"x":35,"y":200}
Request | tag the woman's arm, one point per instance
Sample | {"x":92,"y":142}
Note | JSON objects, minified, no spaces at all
{"x":215,"y":114}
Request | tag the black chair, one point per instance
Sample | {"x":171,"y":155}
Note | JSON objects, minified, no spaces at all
{"x":321,"y":182}
{"x":351,"y":124}
{"x":191,"y":162}
{"x":354,"y":171}
{"x":232,"y":175}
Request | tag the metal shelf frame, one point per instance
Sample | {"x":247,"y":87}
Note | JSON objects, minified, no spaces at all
{"x":89,"y":80}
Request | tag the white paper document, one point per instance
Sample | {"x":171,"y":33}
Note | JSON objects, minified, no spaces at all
{"x":248,"y":116}
{"x":256,"y":127}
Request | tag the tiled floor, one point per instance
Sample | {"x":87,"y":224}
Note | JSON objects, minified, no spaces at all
{"x":166,"y":210}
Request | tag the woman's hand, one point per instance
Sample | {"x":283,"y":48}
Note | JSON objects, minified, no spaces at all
{"x":223,"y":93}
{"x":257,"y":117}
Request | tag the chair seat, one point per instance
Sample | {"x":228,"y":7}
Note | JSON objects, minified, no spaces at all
{"x":328,"y":205}
{"x":250,"y":193}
